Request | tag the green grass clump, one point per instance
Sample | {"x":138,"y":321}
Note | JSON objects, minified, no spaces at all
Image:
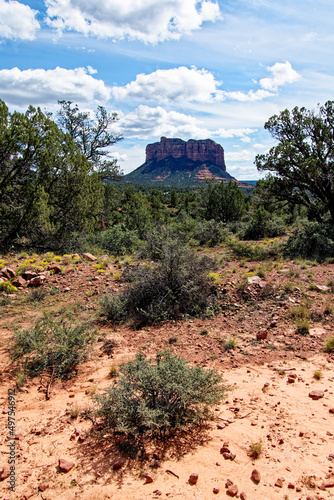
{"x":329,"y":344}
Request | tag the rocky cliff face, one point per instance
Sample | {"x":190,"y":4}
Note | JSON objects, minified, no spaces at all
{"x":205,"y":151}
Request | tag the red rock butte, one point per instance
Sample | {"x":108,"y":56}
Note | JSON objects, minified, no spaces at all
{"x":201,"y":150}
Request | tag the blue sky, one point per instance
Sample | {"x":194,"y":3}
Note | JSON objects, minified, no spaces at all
{"x":174,"y":68}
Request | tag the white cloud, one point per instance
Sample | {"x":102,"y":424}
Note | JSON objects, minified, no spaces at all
{"x":17,"y":21}
{"x":282,"y":73}
{"x":149,"y":21}
{"x":40,"y":86}
{"x":146,"y":122}
{"x":242,"y":133}
{"x":171,"y":85}
{"x":244,"y":155}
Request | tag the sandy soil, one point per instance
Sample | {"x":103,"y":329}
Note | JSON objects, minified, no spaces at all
{"x":270,"y":381}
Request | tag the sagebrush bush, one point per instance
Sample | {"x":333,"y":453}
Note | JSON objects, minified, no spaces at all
{"x":177,"y":285}
{"x":314,"y":241}
{"x":52,"y":346}
{"x":161,"y":396}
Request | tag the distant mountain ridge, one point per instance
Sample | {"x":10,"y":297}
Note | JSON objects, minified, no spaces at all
{"x":178,"y":163}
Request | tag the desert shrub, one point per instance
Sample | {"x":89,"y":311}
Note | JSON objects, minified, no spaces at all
{"x":119,"y":240}
{"x":209,"y":233}
{"x":329,"y":344}
{"x":37,"y":295}
{"x":314,"y":241}
{"x":171,"y":288}
{"x":255,"y":449}
{"x":263,"y":225}
{"x":7,"y":287}
{"x":52,"y":346}
{"x":161,"y":396}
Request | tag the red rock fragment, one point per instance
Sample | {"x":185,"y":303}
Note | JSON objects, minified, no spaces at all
{"x":43,"y":486}
{"x":65,"y":466}
{"x":19,"y":281}
{"x":215,"y":491}
{"x":279,"y":482}
{"x":89,"y":256}
{"x":256,"y":476}
{"x":316,"y":394}
{"x":243,"y":496}
{"x":4,"y":472}
{"x":118,"y":465}
{"x":193,"y":478}
{"x":148,"y":479}
{"x":232,"y":490}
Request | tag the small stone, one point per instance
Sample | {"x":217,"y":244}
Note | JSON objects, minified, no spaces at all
{"x":65,"y":465}
{"x":4,"y":472}
{"x":262,"y":335}
{"x":329,"y":484}
{"x":72,"y":437}
{"x":55,"y":268}
{"x":37,"y":281}
{"x":118,"y":465}
{"x":279,"y":482}
{"x":291,"y":486}
{"x":291,"y":379}
{"x":331,"y":410}
{"x":193,"y":478}
{"x":148,"y":479}
{"x":215,"y":490}
{"x":256,"y":476}
{"x":228,"y":483}
{"x":81,"y":437}
{"x":232,"y":490}
{"x":19,"y":282}
{"x":243,"y":496}
{"x":157,"y":492}
{"x":89,"y":256}
{"x":43,"y":486}
{"x":317,"y":394}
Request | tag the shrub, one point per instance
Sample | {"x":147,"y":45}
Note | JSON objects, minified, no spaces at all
{"x":53,"y":347}
{"x":158,"y":397}
{"x":255,"y":449}
{"x":264,"y":225}
{"x":314,"y":241}
{"x":119,"y":240}
{"x":175,"y":286}
{"x":7,"y":287}
{"x":329,"y":344}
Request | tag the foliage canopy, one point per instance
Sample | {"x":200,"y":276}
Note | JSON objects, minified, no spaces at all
{"x":303,"y":160}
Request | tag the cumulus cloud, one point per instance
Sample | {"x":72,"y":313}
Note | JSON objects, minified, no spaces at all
{"x":40,"y":86}
{"x":17,"y":21}
{"x":146,"y":122}
{"x":171,"y":85}
{"x":149,"y":21}
{"x":184,"y":84}
{"x":282,"y":73}
{"x":241,"y":133}
{"x":244,"y":155}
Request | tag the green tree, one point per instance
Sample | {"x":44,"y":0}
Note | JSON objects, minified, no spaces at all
{"x":225,"y":202}
{"x":302,"y":163}
{"x":92,"y":136}
{"x":48,"y":192}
